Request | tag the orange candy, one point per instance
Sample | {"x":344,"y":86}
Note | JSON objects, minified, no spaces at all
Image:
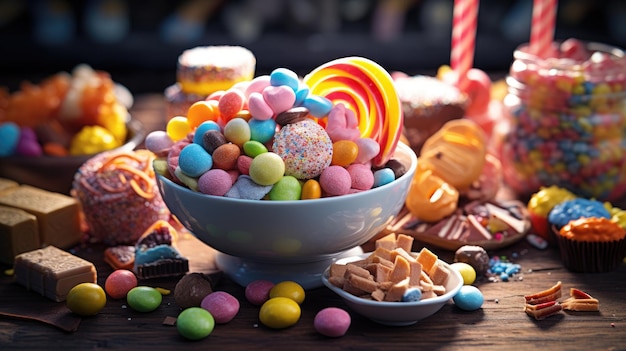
{"x":311,"y":190}
{"x":344,"y":153}
{"x":202,"y":111}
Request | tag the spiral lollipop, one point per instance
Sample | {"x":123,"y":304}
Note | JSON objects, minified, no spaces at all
{"x":368,"y":90}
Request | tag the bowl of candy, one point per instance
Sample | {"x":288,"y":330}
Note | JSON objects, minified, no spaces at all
{"x":49,"y":129}
{"x":287,"y":205}
{"x":395,"y":304}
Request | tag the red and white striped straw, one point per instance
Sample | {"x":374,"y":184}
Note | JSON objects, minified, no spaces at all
{"x":464,"y":23}
{"x":542,"y":27}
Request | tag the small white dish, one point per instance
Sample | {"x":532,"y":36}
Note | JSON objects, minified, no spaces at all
{"x":396,"y":313}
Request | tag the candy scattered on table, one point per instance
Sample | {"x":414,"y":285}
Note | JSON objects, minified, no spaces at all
{"x":222,"y":306}
{"x":86,"y":299}
{"x":258,"y":291}
{"x":195,"y":323}
{"x":119,"y":283}
{"x":332,"y":322}
{"x":279,"y":312}
{"x":469,"y":298}
{"x":144,"y":299}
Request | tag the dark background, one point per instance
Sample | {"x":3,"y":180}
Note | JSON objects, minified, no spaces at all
{"x":138,"y":42}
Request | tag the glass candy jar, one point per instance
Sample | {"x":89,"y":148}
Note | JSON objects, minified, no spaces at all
{"x":567,"y":121}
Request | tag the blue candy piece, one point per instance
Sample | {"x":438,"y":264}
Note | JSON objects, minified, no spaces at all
{"x":284,"y":76}
{"x":246,"y":188}
{"x":504,"y":277}
{"x":262,"y":131}
{"x":9,"y":136}
{"x":412,"y":295}
{"x":202,"y":128}
{"x":194,"y":160}
{"x":469,"y":298}
{"x":318,"y":106}
{"x":301,"y":94}
{"x":577,"y":208}
{"x":383,"y":176}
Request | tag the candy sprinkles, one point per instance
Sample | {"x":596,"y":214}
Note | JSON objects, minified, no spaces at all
{"x":569,"y":121}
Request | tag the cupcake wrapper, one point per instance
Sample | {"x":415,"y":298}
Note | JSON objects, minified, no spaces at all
{"x":591,"y":257}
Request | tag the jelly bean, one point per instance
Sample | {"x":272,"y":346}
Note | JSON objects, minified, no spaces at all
{"x":195,"y":323}
{"x":267,"y":168}
{"x":246,"y":188}
{"x":286,"y":77}
{"x":344,"y":152}
{"x":311,"y":190}
{"x":318,"y":106}
{"x":90,"y":140}
{"x":332,"y":322}
{"x":243,"y":163}
{"x":412,"y":295}
{"x":259,"y":109}
{"x":301,"y":94}
{"x":215,"y":182}
{"x":177,"y":128}
{"x":237,"y":131}
{"x":288,"y":289}
{"x":212,"y":139}
{"x":144,"y":299}
{"x":190,"y":182}
{"x":335,"y":180}
{"x":254,"y":148}
{"x":27,"y":144}
{"x":258,"y":291}
{"x":9,"y":135}
{"x":383,"y":176}
{"x":222,"y":306}
{"x":203,"y":128}
{"x":287,"y":188}
{"x":194,"y":160}
{"x":279,"y":313}
{"x":230,"y":104}
{"x":279,"y":98}
{"x":469,"y":298}
{"x":202,"y":111}
{"x":362,"y":177}
{"x":86,"y":299}
{"x":257,"y":85}
{"x":262,"y":130}
{"x":225,"y":156}
{"x":467,"y":272}
{"x":119,"y":283}
{"x":158,"y":142}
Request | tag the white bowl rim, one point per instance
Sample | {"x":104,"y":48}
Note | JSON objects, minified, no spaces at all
{"x":388,"y":304}
{"x":409,"y":172}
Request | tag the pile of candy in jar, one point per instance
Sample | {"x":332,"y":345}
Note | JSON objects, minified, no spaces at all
{"x":66,"y":114}
{"x":279,"y":138}
{"x":569,"y":121}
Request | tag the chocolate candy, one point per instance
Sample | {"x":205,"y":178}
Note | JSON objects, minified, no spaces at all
{"x":475,"y":256}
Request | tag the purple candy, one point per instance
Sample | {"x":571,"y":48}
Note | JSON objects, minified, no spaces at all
{"x":258,"y":291}
{"x":246,"y":188}
{"x":222,"y":306}
{"x":332,"y":321}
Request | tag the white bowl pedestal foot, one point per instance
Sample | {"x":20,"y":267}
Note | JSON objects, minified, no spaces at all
{"x":308,"y":274}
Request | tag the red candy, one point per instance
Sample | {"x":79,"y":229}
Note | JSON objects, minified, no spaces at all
{"x":258,"y":291}
{"x":119,"y":283}
{"x":230,"y":104}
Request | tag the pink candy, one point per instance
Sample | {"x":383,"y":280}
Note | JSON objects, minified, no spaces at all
{"x":335,"y":180}
{"x":222,"y":306}
{"x":332,"y":322}
{"x":361,"y":175}
{"x":258,"y":291}
{"x":215,"y":182}
{"x":342,"y":124}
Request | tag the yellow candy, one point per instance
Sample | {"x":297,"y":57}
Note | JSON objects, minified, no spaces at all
{"x":177,"y":128}
{"x":91,"y":140}
{"x":344,"y":152}
{"x":311,"y":190}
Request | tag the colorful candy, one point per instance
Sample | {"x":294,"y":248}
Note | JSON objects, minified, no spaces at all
{"x":222,"y":306}
{"x":119,"y":283}
{"x":258,"y":291}
{"x":332,"y":322}
{"x":568,"y":122}
{"x":279,"y":312}
{"x":469,"y":298}
{"x":144,"y":299}
{"x":195,"y":323}
{"x":366,"y":89}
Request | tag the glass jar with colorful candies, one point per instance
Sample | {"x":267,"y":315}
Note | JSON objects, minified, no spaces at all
{"x":567,"y":120}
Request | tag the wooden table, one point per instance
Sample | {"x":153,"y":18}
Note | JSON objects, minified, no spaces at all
{"x":500,"y":324}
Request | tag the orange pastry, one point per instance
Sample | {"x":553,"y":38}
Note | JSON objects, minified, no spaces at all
{"x":456,"y":153}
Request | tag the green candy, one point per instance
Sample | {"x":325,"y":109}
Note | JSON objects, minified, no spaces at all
{"x":287,"y":188}
{"x":195,"y":323}
{"x":144,"y":299}
{"x":267,"y":168}
{"x":253,"y":148}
